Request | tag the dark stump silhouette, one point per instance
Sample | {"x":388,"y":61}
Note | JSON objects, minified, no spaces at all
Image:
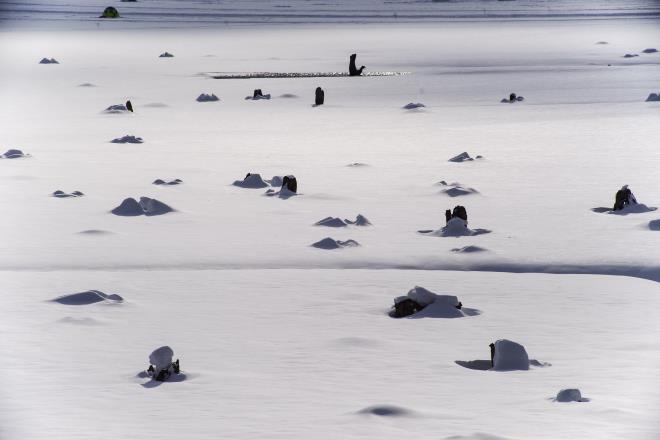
{"x":110,"y":12}
{"x":352,"y":69}
{"x":129,"y":106}
{"x":492,"y":354}
{"x":405,"y":308}
{"x":290,"y":183}
{"x":623,"y":198}
{"x":319,"y":96}
{"x":512,"y":97}
{"x":459,"y":212}
{"x":257,"y":94}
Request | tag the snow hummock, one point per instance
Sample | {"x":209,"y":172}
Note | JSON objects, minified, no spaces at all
{"x":288,"y":95}
{"x":204,"y":97}
{"x":650,"y":50}
{"x":456,"y":189}
{"x":128,"y":139}
{"x":130,"y":207}
{"x":165,"y":55}
{"x":413,"y":105}
{"x":425,"y":297}
{"x":570,"y":395}
{"x":463,"y":157}
{"x":509,"y":356}
{"x":630,"y":55}
{"x":385,"y":411}
{"x":87,"y":84}
{"x":116,"y":108}
{"x":13,"y":154}
{"x":165,"y":182}
{"x":653,"y":97}
{"x":61,"y":194}
{"x":330,"y":243}
{"x":49,"y":61}
{"x":469,"y":249}
{"x":87,"y":297}
{"x":654,"y":225}
{"x":336,"y":222}
{"x":283,"y":193}
{"x":456,"y":227}
{"x":161,"y":358}
{"x":357,"y":165}
{"x":276,"y":181}
{"x":252,"y":180}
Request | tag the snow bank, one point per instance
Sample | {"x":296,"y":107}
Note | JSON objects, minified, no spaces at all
{"x":653,"y":97}
{"x":252,"y":181}
{"x":164,"y":182}
{"x":146,"y":206}
{"x":463,"y":157}
{"x":413,"y":105}
{"x":128,"y":139}
{"x":570,"y":395}
{"x":509,"y":356}
{"x":13,"y":154}
{"x":207,"y":98}
{"x":61,"y":194}
{"x":88,"y":297}
{"x":49,"y":61}
{"x":116,"y":108}
{"x":330,"y":243}
{"x":165,"y":55}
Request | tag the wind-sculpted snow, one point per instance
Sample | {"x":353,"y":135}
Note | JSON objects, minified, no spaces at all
{"x":464,"y":157}
{"x":116,"y":109}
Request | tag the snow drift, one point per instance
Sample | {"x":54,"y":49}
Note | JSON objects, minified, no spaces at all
{"x":88,"y":297}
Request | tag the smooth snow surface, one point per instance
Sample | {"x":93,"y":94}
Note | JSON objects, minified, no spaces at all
{"x":284,"y":341}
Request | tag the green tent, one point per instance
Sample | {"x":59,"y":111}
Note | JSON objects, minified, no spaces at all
{"x":110,"y":12}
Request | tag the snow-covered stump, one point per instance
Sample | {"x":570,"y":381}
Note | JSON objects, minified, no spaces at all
{"x":161,"y":366}
{"x":422,"y":303}
{"x":251,"y":180}
{"x":570,"y":395}
{"x":319,"y":96}
{"x":508,"y":355}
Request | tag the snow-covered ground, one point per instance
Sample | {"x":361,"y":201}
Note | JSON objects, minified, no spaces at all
{"x":279,"y":339}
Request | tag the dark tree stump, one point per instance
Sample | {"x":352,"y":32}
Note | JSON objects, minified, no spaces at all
{"x":319,"y":96}
{"x":290,"y":183}
{"x":352,"y":69}
{"x":129,"y":106}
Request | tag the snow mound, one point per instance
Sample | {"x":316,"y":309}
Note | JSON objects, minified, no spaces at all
{"x":654,"y":225}
{"x":164,"y":182}
{"x":276,"y":181}
{"x":463,"y":157}
{"x":49,"y":61}
{"x":251,"y":181}
{"x":638,"y":208}
{"x":128,"y":139}
{"x":422,"y":303}
{"x":653,"y":97}
{"x":165,"y":55}
{"x":469,"y":249}
{"x":456,"y":227}
{"x":385,"y":411}
{"x":207,"y":98}
{"x":13,"y":154}
{"x":456,"y":189}
{"x":357,"y":165}
{"x":283,"y":193}
{"x":61,"y":194}
{"x":116,"y":108}
{"x":88,"y":297}
{"x":510,"y":356}
{"x":511,"y":101}
{"x":333,"y":222}
{"x":94,"y":232}
{"x":602,"y":42}
{"x":288,"y":95}
{"x":570,"y":395}
{"x":86,"y":85}
{"x":156,"y":105}
{"x":330,"y":243}
{"x":650,"y":50}
{"x":161,"y":358}
{"x":630,"y":55}
{"x":413,"y":105}
{"x":258,"y":97}
{"x":146,"y":206}
{"x":360,"y":220}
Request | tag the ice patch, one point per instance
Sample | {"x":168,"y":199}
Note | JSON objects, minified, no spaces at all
{"x":463,"y":157}
{"x":88,"y":297}
{"x":413,"y":105}
{"x":128,"y":139}
{"x":330,"y":243}
{"x":61,"y":194}
{"x":204,"y":97}
{"x":570,"y":395}
{"x":49,"y":61}
{"x":14,"y":154}
{"x":146,"y":206}
{"x":164,"y":182}
{"x":252,"y":181}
